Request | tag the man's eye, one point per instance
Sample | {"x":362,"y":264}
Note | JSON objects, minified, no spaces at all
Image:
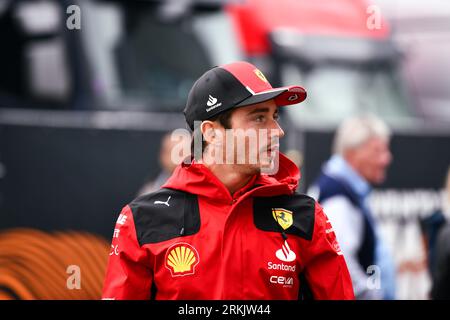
{"x":259,"y":118}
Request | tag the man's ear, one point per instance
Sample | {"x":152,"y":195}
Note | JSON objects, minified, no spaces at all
{"x":209,"y":131}
{"x":348,"y":154}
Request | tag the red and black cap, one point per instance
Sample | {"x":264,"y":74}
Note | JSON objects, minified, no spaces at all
{"x":233,"y":85}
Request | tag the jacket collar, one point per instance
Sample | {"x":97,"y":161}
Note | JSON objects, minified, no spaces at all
{"x":339,"y":168}
{"x":197,"y":179}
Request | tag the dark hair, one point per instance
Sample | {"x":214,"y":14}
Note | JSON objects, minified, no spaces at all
{"x":224,"y":120}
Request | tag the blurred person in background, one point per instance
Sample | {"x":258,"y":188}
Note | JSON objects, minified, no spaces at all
{"x":168,"y":143}
{"x":432,"y":224}
{"x":441,"y":266}
{"x":361,"y":157}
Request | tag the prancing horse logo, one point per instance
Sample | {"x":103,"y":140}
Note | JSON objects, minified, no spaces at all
{"x":283,"y":217}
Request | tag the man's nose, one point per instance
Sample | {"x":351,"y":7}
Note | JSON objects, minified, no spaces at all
{"x":277,"y":130}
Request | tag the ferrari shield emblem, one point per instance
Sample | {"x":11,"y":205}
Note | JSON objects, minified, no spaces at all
{"x":260,"y":75}
{"x":283,"y":217}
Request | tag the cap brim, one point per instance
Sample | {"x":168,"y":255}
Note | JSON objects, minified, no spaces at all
{"x":283,"y":96}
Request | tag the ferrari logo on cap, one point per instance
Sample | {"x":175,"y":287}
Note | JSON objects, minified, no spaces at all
{"x":260,"y":75}
{"x":283,"y":217}
{"x":181,"y":259}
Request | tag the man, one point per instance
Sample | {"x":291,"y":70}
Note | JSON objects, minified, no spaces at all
{"x":441,"y":277}
{"x":361,"y":157}
{"x":165,"y":162}
{"x":221,"y":228}
{"x":440,"y":248}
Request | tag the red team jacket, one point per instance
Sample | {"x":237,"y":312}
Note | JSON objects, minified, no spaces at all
{"x":193,"y":240}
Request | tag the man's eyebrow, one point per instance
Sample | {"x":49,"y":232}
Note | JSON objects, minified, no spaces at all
{"x":258,"y":110}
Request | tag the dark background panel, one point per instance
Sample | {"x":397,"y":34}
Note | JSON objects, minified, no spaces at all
{"x":76,"y":179}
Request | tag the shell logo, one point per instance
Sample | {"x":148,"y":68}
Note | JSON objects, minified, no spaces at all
{"x":181,"y":259}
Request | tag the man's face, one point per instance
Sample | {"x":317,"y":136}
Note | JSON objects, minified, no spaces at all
{"x":252,"y":141}
{"x":256,"y":126}
{"x":371,"y":159}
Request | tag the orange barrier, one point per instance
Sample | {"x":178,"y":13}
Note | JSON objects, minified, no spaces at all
{"x":60,"y":265}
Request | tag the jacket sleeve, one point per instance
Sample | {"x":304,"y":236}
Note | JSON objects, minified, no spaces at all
{"x":128,"y":273}
{"x":325,"y":268}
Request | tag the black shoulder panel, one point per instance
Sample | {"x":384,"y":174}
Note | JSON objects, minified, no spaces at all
{"x":164,"y":215}
{"x":301,"y":206}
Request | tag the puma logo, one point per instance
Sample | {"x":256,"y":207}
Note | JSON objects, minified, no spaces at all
{"x":163,"y":202}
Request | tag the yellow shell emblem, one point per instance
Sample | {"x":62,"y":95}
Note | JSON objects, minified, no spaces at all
{"x":283,"y":217}
{"x":181,"y":259}
{"x":260,"y":75}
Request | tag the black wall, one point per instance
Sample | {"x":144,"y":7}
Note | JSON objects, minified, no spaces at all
{"x":78,"y":179}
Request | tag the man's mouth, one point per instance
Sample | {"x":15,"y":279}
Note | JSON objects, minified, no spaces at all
{"x":271,"y":149}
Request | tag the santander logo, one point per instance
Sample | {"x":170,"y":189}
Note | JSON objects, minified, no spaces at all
{"x":211,"y":101}
{"x":285,"y":253}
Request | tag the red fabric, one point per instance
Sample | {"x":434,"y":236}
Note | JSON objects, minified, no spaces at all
{"x":129,"y":274}
{"x":255,"y":19}
{"x":231,"y":255}
{"x":246,"y":73}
